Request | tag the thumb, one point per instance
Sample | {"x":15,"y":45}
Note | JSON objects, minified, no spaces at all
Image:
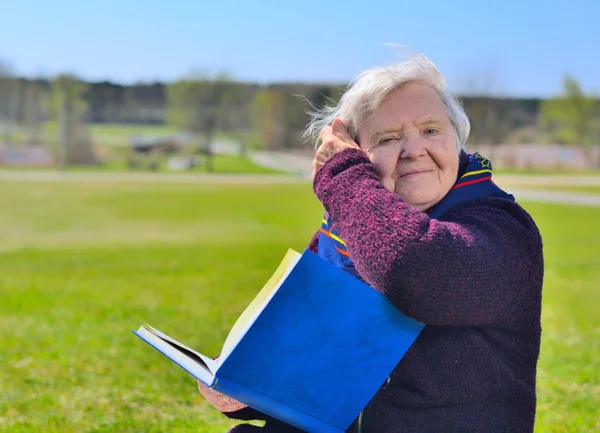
{"x":339,"y":130}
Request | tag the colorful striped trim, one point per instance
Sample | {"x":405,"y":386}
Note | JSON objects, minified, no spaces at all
{"x":345,"y":253}
{"x":327,"y":231}
{"x":473,"y":173}
{"x":471,"y":182}
{"x":332,"y":236}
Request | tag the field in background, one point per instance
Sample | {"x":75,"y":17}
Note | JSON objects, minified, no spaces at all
{"x":104,"y":134}
{"x":582,"y":183}
{"x":112,"y":141}
{"x":108,"y":134}
{"x":223,"y":164}
{"x":81,"y":264}
{"x":588,"y":189}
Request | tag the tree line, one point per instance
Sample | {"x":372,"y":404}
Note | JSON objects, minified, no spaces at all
{"x":272,"y":116}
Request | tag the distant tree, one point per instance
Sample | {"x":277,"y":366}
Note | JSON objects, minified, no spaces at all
{"x":32,"y":111}
{"x":489,"y":120}
{"x":294,"y":118}
{"x":7,"y":101}
{"x":201,"y":105}
{"x":571,"y":118}
{"x":323,"y":96}
{"x":67,"y":105}
{"x":279,"y":115}
{"x":267,"y":110}
{"x":6,"y":78}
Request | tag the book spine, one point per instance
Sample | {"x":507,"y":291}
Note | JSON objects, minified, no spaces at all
{"x":272,"y":407}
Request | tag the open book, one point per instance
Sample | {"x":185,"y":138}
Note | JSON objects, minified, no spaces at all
{"x":311,"y":349}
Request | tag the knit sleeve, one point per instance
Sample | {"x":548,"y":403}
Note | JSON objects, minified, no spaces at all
{"x":471,"y":267}
{"x":314,"y":243}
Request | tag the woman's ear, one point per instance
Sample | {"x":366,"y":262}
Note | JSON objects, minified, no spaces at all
{"x":339,"y":128}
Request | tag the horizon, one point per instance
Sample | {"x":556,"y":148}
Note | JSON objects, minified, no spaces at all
{"x":281,"y":83}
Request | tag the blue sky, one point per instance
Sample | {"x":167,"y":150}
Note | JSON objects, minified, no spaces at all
{"x":506,"y":47}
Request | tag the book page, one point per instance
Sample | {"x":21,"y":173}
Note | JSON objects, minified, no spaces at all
{"x":209,"y":363}
{"x":258,"y":304}
{"x":187,"y":360}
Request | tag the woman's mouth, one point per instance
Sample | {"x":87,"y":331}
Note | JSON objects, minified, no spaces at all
{"x":413,"y":173}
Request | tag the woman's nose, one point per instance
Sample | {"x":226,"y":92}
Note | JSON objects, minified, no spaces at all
{"x":413,"y":146}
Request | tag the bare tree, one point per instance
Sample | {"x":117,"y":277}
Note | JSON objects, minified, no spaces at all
{"x":7,"y":101}
{"x":68,"y":106}
{"x":279,"y":117}
{"x":201,"y":105}
{"x":32,"y":112}
{"x":489,"y":119}
{"x":267,"y":114}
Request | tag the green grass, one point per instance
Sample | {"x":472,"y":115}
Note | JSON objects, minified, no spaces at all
{"x":569,"y":368}
{"x":222,"y":164}
{"x":83,"y":264}
{"x":109,"y":134}
{"x":105,"y":134}
{"x":564,"y":171}
{"x":588,"y":189}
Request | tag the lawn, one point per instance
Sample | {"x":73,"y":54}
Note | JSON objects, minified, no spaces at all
{"x":222,"y":164}
{"x":539,"y":171}
{"x":81,"y":264}
{"x":587,"y":189}
{"x":108,"y":134}
{"x":103,"y":133}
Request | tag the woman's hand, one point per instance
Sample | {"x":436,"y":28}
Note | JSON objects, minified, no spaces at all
{"x":335,"y":138}
{"x":219,"y":401}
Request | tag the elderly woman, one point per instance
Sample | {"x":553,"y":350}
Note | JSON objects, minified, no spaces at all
{"x":423,"y":223}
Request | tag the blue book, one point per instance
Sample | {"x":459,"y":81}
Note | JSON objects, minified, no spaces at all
{"x":311,"y":349}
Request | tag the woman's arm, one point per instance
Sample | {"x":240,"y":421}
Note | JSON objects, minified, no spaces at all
{"x":472,"y":267}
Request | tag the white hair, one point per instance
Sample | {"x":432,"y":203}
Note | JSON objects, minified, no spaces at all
{"x":366,"y":93}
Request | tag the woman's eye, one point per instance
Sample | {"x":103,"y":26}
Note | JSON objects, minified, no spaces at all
{"x":387,"y":140}
{"x":431,"y":131}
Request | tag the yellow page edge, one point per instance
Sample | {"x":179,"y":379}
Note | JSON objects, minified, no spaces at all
{"x":259,"y":302}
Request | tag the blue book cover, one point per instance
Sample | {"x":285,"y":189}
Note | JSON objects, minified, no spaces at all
{"x":311,"y":349}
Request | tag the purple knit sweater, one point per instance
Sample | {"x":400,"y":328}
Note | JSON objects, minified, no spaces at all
{"x":474,"y":276}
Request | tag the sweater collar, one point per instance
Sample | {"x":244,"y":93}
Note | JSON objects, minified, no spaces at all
{"x":463,"y":162}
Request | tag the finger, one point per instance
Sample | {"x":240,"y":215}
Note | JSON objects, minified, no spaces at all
{"x":323,"y":149}
{"x":327,"y":136}
{"x":323,"y":155}
{"x":316,"y":168}
{"x":325,"y":131}
{"x":317,"y":162}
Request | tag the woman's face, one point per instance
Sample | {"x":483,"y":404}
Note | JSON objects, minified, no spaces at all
{"x":412,"y":143}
